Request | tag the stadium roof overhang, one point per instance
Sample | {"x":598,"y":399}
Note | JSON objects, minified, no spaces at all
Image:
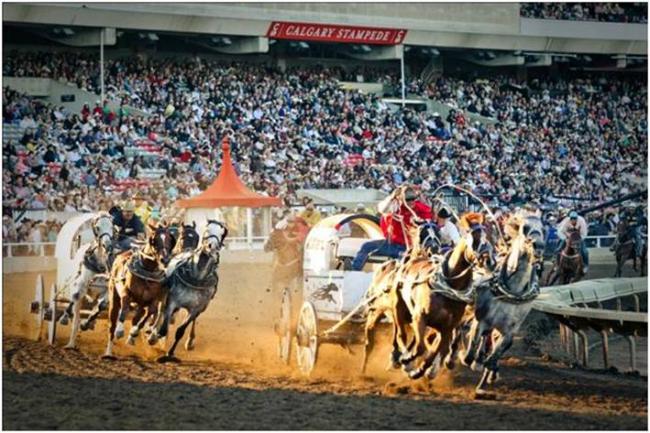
{"x":495,"y":26}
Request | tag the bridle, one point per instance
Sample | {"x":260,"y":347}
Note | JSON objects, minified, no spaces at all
{"x":220,"y":240}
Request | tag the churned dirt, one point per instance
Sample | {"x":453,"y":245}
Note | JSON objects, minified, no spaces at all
{"x":233,"y":380}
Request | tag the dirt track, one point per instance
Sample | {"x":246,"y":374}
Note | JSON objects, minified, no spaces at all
{"x":233,"y":381}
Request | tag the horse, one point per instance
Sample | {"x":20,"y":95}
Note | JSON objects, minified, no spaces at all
{"x":568,"y":267}
{"x":503,"y":302}
{"x":137,"y":276}
{"x":192,"y":283}
{"x":424,"y":243}
{"x":94,"y":261}
{"x":625,"y":250}
{"x":187,"y":239}
{"x":436,"y":292}
{"x":287,"y":260}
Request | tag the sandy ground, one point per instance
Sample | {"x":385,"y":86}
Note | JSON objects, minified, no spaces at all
{"x":233,"y":380}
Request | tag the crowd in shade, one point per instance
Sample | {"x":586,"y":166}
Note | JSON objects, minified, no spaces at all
{"x":605,"y":12}
{"x":543,"y":140}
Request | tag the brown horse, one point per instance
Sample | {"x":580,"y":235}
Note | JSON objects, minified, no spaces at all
{"x":436,"y":293}
{"x":137,"y":277}
{"x":287,"y":260}
{"x":568,"y":266}
{"x":624,"y":249}
{"x":383,"y":287}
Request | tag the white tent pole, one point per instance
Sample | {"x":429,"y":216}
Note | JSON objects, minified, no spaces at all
{"x":249,"y":227}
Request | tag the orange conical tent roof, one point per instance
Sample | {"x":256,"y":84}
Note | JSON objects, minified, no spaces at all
{"x":228,"y":190}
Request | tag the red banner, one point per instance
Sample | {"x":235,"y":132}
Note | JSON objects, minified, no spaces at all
{"x":335,"y":33}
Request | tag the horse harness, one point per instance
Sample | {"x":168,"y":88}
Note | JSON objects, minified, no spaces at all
{"x":183,"y":274}
{"x":91,"y":263}
{"x":499,"y":288}
{"x":136,"y":267}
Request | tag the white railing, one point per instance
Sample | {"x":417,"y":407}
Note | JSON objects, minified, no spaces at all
{"x":21,"y":249}
{"x":600,"y":241}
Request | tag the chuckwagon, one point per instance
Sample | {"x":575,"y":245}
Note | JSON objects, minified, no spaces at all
{"x":329,"y":309}
{"x":72,"y":242}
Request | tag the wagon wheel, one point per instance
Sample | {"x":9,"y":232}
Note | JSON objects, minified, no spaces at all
{"x":37,"y":306}
{"x":307,"y":338}
{"x":51,"y":327}
{"x":284,"y":327}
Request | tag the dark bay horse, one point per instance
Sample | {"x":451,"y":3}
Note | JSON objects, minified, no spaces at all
{"x":437,"y":300}
{"x":625,"y":250}
{"x":569,"y":265}
{"x":137,"y":277}
{"x":424,"y":243}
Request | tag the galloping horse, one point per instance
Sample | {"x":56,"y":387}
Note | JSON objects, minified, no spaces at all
{"x":96,"y":261}
{"x":569,"y":265}
{"x":138,"y":277}
{"x":625,"y":249}
{"x":503,"y":302}
{"x":435,"y":293}
{"x":424,"y":243}
{"x":193,"y":283}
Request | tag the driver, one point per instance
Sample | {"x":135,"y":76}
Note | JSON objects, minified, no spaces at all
{"x":130,"y":227}
{"x":571,"y":223}
{"x":394,"y":213}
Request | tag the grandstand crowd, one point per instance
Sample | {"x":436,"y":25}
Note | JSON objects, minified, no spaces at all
{"x":605,"y":12}
{"x":546,"y":139}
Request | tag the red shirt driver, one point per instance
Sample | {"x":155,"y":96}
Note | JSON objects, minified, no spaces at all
{"x":396,"y":221}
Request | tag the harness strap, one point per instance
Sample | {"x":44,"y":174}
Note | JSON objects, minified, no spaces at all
{"x":135,"y":267}
{"x":438,"y":284}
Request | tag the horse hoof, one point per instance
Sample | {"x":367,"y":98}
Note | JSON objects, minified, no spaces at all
{"x":166,"y":358}
{"x":63,"y":320}
{"x":416,"y":374}
{"x":406,"y":359}
{"x":153,"y":339}
{"x":475,"y":366}
{"x":493,"y":377}
{"x":130,"y":341}
{"x":109,"y":358}
{"x":119,"y":334}
{"x":189,"y":346}
{"x":70,"y":347}
{"x":481,"y":394}
{"x":84,"y":326}
{"x":432,"y":372}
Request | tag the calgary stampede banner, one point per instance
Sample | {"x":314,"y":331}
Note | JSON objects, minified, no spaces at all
{"x":335,"y":33}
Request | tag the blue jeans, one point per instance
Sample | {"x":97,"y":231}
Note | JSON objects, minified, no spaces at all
{"x":380,"y":247}
{"x":583,"y":250}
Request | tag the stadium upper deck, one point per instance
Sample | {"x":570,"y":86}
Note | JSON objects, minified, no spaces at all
{"x":496,"y":26}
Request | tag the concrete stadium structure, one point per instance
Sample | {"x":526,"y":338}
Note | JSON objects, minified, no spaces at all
{"x":493,"y":26}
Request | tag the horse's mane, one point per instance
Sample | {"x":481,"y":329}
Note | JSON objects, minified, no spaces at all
{"x":469,"y":218}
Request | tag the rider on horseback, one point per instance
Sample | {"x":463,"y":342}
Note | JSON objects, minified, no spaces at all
{"x":574,"y":222}
{"x":397,"y":215}
{"x":130,"y":226}
{"x":635,"y":221}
